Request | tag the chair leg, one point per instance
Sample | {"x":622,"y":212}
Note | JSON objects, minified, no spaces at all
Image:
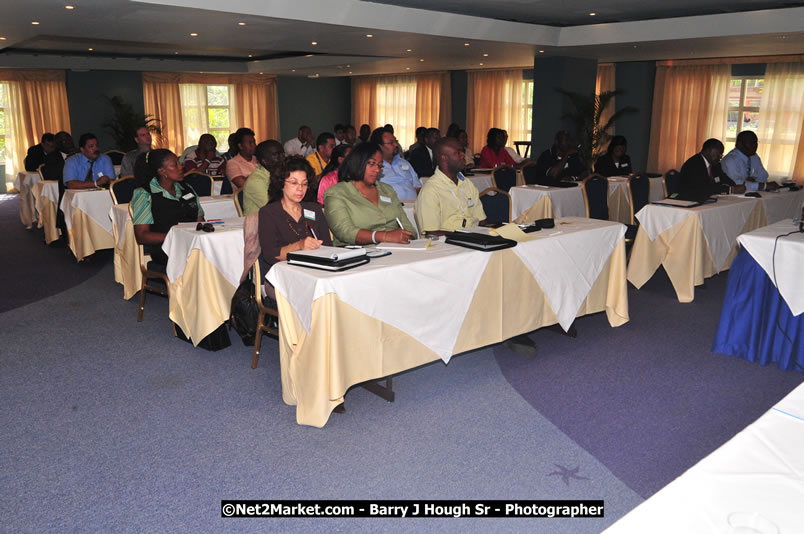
{"x":142,"y":302}
{"x":257,"y":342}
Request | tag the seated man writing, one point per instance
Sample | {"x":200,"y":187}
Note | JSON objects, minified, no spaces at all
{"x":448,"y":201}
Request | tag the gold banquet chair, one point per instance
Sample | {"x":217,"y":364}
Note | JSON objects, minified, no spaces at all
{"x":202,"y":184}
{"x":150,"y":271}
{"x":122,"y":189}
{"x":262,"y":324}
{"x":237,"y":195}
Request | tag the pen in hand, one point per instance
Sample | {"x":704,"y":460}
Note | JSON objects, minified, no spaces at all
{"x":310,"y":227}
{"x":399,"y":223}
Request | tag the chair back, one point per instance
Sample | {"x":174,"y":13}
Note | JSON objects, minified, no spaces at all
{"x":497,"y":205}
{"x":596,"y":197}
{"x":41,"y":172}
{"x":503,"y":178}
{"x":226,"y":185}
{"x":638,"y":193}
{"x":116,"y":156}
{"x":201,"y":183}
{"x":238,"y":200}
{"x":122,"y":189}
{"x":671,"y":182}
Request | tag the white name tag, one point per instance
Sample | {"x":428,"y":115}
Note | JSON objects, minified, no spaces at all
{"x":470,"y":202}
{"x":717,"y":179}
{"x":309,"y":214}
{"x":387,"y":200}
{"x":100,"y":174}
{"x":188,"y":196}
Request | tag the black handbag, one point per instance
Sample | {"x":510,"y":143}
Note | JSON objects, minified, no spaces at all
{"x":244,"y":313}
{"x":217,"y":340}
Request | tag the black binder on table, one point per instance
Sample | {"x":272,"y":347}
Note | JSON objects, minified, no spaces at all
{"x":475,"y":241}
{"x":329,"y":258}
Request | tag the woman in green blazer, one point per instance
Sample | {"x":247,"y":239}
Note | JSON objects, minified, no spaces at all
{"x":360,"y":209}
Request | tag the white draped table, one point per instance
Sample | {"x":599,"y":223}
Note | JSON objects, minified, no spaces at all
{"x":86,"y":215}
{"x":541,"y":201}
{"x":24,"y":183}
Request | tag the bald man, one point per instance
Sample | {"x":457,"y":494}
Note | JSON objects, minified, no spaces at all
{"x":448,"y":201}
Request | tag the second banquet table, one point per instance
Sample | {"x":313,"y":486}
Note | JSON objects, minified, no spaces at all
{"x":416,"y":306}
{"x":86,"y":214}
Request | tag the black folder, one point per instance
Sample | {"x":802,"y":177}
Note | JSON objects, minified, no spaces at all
{"x":483,"y":242}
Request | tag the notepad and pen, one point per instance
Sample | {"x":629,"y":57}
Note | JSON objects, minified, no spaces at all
{"x":329,"y":258}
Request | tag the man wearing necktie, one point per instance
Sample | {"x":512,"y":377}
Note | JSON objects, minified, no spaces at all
{"x":89,"y":168}
{"x":702,"y":175}
{"x":743,"y":165}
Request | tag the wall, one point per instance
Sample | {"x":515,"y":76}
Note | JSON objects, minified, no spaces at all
{"x":319,"y":103}
{"x":550,"y":73}
{"x":636,"y":80}
{"x":88,"y":108}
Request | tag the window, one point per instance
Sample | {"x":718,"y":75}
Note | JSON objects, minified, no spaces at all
{"x":527,"y":108}
{"x":745,"y":95}
{"x":3,"y":127}
{"x":208,"y":108}
{"x":396,"y":104}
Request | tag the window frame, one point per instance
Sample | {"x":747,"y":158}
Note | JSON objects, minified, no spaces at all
{"x":741,"y":108}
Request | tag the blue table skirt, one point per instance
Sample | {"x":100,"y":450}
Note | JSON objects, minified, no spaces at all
{"x":751,"y":310}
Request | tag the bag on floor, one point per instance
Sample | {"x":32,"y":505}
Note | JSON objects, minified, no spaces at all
{"x":244,"y":313}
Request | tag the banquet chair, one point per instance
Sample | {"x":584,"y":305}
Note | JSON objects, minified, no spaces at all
{"x":670,"y":182}
{"x":638,"y":196}
{"x":528,"y":171}
{"x":497,"y":205}
{"x":116,"y":156}
{"x":595,"y":190}
{"x":150,"y":271}
{"x":238,"y":200}
{"x":263,"y":325}
{"x":201,"y":183}
{"x":503,"y":178}
{"x":122,"y":189}
{"x":226,"y":185}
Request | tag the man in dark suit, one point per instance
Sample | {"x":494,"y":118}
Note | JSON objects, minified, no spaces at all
{"x":422,"y":156}
{"x":37,"y":153}
{"x":54,"y":161}
{"x":701,"y":175}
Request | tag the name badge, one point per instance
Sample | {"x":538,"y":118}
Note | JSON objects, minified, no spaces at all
{"x":470,"y":202}
{"x":309,"y":214}
{"x":405,"y":168}
{"x":387,"y":200}
{"x":717,"y":179}
{"x":100,"y":174}
{"x":188,"y":196}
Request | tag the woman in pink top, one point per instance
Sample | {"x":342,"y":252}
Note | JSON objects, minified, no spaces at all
{"x":494,"y":153}
{"x":329,"y":176}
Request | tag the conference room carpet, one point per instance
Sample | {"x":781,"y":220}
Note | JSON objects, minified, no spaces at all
{"x":109,"y":424}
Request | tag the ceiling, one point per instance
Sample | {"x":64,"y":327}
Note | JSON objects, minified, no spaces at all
{"x":383,"y":36}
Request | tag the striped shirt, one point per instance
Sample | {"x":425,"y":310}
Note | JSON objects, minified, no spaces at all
{"x":141,"y":201}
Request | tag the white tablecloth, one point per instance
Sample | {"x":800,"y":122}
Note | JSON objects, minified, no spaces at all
{"x":223,"y":248}
{"x":50,"y":191}
{"x":782,"y":205}
{"x":96,"y":204}
{"x":754,"y":483}
{"x":567,"y":202}
{"x":24,"y":184}
{"x":721,"y":222}
{"x":788,"y":260}
{"x":619,"y":182}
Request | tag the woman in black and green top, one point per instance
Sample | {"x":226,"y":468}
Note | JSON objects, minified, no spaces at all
{"x":162,"y":202}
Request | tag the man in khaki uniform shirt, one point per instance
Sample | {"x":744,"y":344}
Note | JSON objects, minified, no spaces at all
{"x":448,"y":201}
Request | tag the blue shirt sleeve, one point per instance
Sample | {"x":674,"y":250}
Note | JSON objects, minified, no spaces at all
{"x":71,"y":169}
{"x":105,"y":166}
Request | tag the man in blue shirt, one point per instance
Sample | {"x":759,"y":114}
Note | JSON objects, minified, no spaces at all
{"x":396,"y":172}
{"x":743,"y":165}
{"x":89,"y":168}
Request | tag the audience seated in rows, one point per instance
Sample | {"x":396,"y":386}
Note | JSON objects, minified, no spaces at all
{"x":287,"y":223}
{"x":421,"y":132}
{"x":302,"y":144}
{"x":243,"y":164}
{"x":37,"y":153}
{"x":468,"y":155}
{"x":161,"y":200}
{"x":350,"y":135}
{"x":365,"y":133}
{"x":330,"y":174}
{"x":89,"y":168}
{"x":494,"y":153}
{"x":422,"y":157}
{"x":143,"y":139}
{"x":702,"y":175}
{"x":448,"y":201}
{"x":204,"y":158}
{"x":362,"y":210}
{"x":615,"y":162}
{"x":743,"y":165}
{"x":562,"y":160}
{"x":340,"y":133}
{"x":395,"y":171}
{"x":324,"y":144}
{"x":270,"y":156}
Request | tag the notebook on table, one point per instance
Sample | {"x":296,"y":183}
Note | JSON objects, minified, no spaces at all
{"x":478,"y":241}
{"x":329,"y":258}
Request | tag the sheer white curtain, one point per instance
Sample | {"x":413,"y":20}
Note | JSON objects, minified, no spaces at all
{"x":194,"y":111}
{"x":781,"y":119}
{"x":396,"y":104}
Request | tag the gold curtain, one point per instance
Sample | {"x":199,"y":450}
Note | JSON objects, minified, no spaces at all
{"x":494,"y":100}
{"x":38,"y":103}
{"x":781,"y":119}
{"x":606,"y":82}
{"x":255,"y":104}
{"x":405,"y":100}
{"x":689,"y":107}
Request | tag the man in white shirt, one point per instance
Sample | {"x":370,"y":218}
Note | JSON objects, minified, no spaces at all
{"x":744,"y":166}
{"x":302,"y":144}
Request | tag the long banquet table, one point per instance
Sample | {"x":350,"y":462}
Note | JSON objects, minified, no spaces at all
{"x":413,"y":307}
{"x":24,"y":183}
{"x":693,"y":244}
{"x":46,"y":200}
{"x":86,"y":215}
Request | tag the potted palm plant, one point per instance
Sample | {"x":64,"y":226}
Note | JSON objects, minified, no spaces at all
{"x":593,"y":136}
{"x":126,"y":121}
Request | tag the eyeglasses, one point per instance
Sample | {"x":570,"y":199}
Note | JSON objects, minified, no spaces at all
{"x":302,"y":185}
{"x":372,"y":163}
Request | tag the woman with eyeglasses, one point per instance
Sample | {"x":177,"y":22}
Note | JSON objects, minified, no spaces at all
{"x":361,"y":210}
{"x":287,"y":223}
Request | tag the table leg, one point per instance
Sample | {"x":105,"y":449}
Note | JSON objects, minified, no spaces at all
{"x":384,"y":392}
